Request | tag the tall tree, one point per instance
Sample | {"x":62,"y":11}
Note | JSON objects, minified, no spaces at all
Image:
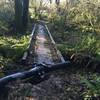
{"x":25,"y":14}
{"x":21,"y":15}
{"x":18,"y":15}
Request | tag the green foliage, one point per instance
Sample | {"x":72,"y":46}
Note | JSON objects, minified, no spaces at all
{"x":11,"y":51}
{"x":13,"y":47}
{"x":76,"y":29}
{"x":87,"y":44}
{"x":85,"y":14}
{"x":92,"y":83}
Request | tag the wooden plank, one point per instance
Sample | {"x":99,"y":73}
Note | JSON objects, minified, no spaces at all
{"x":53,"y":42}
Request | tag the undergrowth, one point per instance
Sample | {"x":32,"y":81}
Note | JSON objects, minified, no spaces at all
{"x":12,"y":49}
{"x":92,"y":83}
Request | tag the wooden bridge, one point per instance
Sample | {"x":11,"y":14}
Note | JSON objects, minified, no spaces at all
{"x":42,"y":47}
{"x":42,"y":56}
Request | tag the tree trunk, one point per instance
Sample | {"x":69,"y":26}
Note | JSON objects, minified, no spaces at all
{"x":25,"y":14}
{"x":18,"y":15}
{"x":21,"y":15}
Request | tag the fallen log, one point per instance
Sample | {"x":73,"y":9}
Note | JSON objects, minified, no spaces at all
{"x":35,"y":74}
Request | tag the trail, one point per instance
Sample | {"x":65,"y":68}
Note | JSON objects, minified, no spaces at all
{"x":42,"y":48}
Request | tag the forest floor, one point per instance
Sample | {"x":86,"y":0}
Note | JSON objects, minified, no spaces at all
{"x":61,"y":85}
